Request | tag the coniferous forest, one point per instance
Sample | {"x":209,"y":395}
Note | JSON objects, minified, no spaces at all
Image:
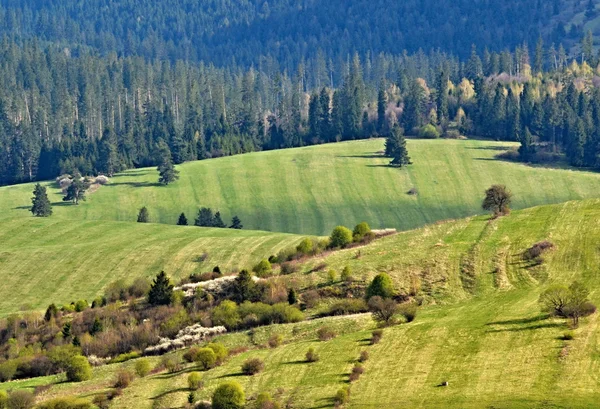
{"x":99,"y":99}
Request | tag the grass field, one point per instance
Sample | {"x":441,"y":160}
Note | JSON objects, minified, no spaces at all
{"x":311,"y":190}
{"x":58,"y":260}
{"x":492,"y":344}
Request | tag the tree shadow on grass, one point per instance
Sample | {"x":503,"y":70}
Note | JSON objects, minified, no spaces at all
{"x":170,"y":375}
{"x":135,"y":184}
{"x":529,"y":328}
{"x":365,"y":156}
{"x":231,"y":375}
{"x":518,"y":321}
{"x":162,"y":395}
{"x":490,"y":148}
{"x":298,"y":362}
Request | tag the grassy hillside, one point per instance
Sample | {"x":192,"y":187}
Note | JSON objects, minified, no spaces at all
{"x":57,"y":260}
{"x":311,"y":190}
{"x":493,"y":346}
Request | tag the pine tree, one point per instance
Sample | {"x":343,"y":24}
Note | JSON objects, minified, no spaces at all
{"x":217,"y":221}
{"x":182,"y":221}
{"x":538,"y":64}
{"x":399,"y":152}
{"x":96,"y":327}
{"x":526,"y":150}
{"x":205,"y":218}
{"x":41,"y":206}
{"x":325,"y":120}
{"x":166,"y":169}
{"x":76,"y":190}
{"x":381,"y":107}
{"x":143,"y":215}
{"x":442,"y":98}
{"x":244,"y":287}
{"x":292,"y":297}
{"x":236,"y":223}
{"x":109,"y":157}
{"x":161,"y":290}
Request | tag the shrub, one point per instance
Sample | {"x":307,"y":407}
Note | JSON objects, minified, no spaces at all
{"x":381,"y":286}
{"x":340,"y":237}
{"x":221,"y":352}
{"x":535,"y":251}
{"x":190,"y":354}
{"x":429,"y":132}
{"x":3,"y":399}
{"x":325,"y":334}
{"x":306,"y":247}
{"x":66,"y":403}
{"x":226,"y":314}
{"x":263,"y":268}
{"x":275,"y":340}
{"x":229,"y":395}
{"x":81,"y":305}
{"x":124,"y":378}
{"x":357,"y":371}
{"x":140,"y":287}
{"x":383,"y":310}
{"x":360,"y":231}
{"x":206,"y":358}
{"x":142,"y":367}
{"x":20,"y":399}
{"x":376,"y":336}
{"x":347,"y":306}
{"x":346,"y":274}
{"x":102,"y":401}
{"x":331,"y":276}
{"x":568,"y":336}
{"x":252,"y":366}
{"x":79,"y":369}
{"x":288,"y":268}
{"x":125,"y":357}
{"x":408,"y":311}
{"x":311,"y":355}
{"x":170,"y":363}
{"x":311,"y":298}
{"x":8,"y":369}
{"x":342,"y":396}
{"x":265,"y":401}
{"x":364,"y":356}
{"x":194,"y":381}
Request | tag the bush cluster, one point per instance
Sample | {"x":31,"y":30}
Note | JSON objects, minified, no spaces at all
{"x":252,"y":366}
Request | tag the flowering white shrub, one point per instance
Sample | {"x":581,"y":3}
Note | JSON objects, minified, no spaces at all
{"x":97,"y":361}
{"x":219,"y":286}
{"x":101,"y":180}
{"x":186,"y":337}
{"x":384,"y":232}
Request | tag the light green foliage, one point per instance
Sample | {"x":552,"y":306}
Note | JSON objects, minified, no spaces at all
{"x":194,"y":381}
{"x":360,"y":231}
{"x":381,"y":286}
{"x":346,"y":274}
{"x":229,"y":395}
{"x":66,"y":403}
{"x":226,"y":314}
{"x":142,"y":367}
{"x":306,"y":246}
{"x":79,"y":369}
{"x":221,"y":352}
{"x":340,"y":237}
{"x":263,"y":269}
{"x":3,"y":399}
{"x":81,"y":305}
{"x":206,"y":358}
{"x":429,"y":132}
{"x":331,"y":275}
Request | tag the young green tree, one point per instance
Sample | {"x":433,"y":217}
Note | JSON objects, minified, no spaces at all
{"x":497,"y":200}
{"x":229,"y":395}
{"x":236,"y":223}
{"x":41,"y":206}
{"x":381,"y":107}
{"x":527,"y":149}
{"x":182,"y":221}
{"x":166,"y":169}
{"x":244,"y":287}
{"x":381,"y":286}
{"x":340,"y":237}
{"x":143,"y":215}
{"x":161,"y":290}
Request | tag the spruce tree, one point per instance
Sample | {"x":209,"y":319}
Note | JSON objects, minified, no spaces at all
{"x":218,"y":221}
{"x":182,"y":221}
{"x":143,"y":215}
{"x":442,"y":98}
{"x":161,"y":290}
{"x":166,"y":169}
{"x":399,"y":153}
{"x":526,"y":150}
{"x":236,"y":223}
{"x":381,"y":107}
{"x":292,"y":297}
{"x":205,"y":218}
{"x":41,"y":206}
{"x":76,"y":190}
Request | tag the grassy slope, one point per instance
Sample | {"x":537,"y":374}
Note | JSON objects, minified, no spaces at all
{"x":494,"y":349}
{"x":310,"y":190}
{"x":57,"y":260}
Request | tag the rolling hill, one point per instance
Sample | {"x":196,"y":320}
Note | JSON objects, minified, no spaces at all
{"x":311,"y":190}
{"x":492,"y":346}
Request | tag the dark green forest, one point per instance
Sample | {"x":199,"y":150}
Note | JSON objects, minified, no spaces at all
{"x":94,"y":87}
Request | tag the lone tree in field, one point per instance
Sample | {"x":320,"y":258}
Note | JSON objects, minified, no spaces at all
{"x":395,"y":147}
{"x":497,"y":200}
{"x":567,"y":302}
{"x":236,"y":223}
{"x":182,"y":221}
{"x":76,"y":190}
{"x":166,"y":169}
{"x":41,"y":206}
{"x":143,"y":215}
{"x":161,"y":291}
